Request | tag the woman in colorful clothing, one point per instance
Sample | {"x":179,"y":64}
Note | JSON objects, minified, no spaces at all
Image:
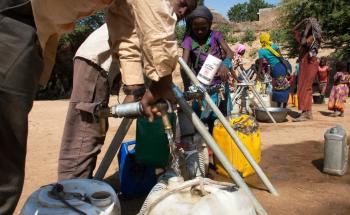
{"x":294,"y":85}
{"x":309,"y":39}
{"x":238,"y":61}
{"x":340,"y":90}
{"x":323,"y":71}
{"x":199,"y":42}
{"x":279,"y":74}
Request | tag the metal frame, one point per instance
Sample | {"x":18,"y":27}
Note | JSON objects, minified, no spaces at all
{"x":113,"y":148}
{"x":248,"y":84}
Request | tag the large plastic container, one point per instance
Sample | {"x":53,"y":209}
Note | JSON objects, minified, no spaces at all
{"x":136,"y":180}
{"x":266,"y":98}
{"x":336,"y":151}
{"x":152,"y":147}
{"x":247,"y":130}
{"x":88,"y":196}
{"x":295,"y":99}
{"x":209,"y":69}
{"x":178,"y":197}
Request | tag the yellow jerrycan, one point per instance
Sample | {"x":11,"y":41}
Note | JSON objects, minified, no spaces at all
{"x":247,"y":130}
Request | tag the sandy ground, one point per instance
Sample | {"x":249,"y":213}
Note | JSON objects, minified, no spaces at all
{"x":292,"y":156}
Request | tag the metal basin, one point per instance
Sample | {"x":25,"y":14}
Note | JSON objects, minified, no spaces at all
{"x":279,"y":114}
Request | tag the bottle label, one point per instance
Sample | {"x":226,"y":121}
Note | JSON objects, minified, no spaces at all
{"x":209,"y":69}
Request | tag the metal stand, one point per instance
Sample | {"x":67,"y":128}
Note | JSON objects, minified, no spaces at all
{"x":230,"y":130}
{"x":113,"y":148}
{"x":242,"y":91}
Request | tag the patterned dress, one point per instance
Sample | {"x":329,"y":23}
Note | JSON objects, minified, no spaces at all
{"x":339,"y":92}
{"x":281,"y":86}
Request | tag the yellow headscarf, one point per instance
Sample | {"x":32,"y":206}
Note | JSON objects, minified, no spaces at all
{"x":266,"y":44}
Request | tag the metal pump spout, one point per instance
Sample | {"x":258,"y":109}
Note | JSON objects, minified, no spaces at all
{"x":164,"y":108}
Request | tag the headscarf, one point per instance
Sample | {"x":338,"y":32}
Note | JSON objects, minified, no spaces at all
{"x":200,"y":11}
{"x":266,"y":44}
{"x":240,"y":48}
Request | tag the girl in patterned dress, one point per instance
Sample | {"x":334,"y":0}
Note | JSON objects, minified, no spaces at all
{"x":339,"y":91}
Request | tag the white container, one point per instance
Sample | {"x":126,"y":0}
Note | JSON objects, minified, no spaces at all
{"x":213,"y":198}
{"x":89,"y":196}
{"x":209,"y":69}
{"x":336,"y":151}
{"x":266,"y":98}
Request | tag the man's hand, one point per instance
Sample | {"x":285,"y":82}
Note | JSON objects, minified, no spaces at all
{"x":161,"y":89}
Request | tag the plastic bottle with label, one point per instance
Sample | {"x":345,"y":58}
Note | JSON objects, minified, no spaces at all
{"x":209,"y":69}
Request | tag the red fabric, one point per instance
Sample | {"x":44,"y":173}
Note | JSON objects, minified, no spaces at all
{"x":307,"y":74}
{"x":291,"y":79}
{"x":323,"y":74}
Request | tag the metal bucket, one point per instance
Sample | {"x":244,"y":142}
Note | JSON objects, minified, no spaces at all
{"x":279,"y":114}
{"x":318,"y":99}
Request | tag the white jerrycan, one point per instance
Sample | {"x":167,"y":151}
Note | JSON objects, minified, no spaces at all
{"x":200,"y":196}
{"x":74,"y":196}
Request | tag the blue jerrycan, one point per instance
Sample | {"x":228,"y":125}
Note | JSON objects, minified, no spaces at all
{"x":136,"y":180}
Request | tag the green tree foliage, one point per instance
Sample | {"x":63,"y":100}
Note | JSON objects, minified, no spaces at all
{"x":225,"y":30}
{"x":279,"y":35}
{"x":249,"y":36}
{"x":333,"y":15}
{"x":180,"y":31}
{"x":200,"y":2}
{"x":247,"y":11}
{"x":83,"y":28}
{"x":60,"y":83}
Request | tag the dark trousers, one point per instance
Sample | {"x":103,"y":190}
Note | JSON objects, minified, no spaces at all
{"x":82,"y":139}
{"x":20,"y":69}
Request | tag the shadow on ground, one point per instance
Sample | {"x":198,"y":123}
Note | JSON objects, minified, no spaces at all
{"x":295,"y":170}
{"x":293,"y":114}
{"x":128,"y":206}
{"x":318,"y":164}
{"x":325,"y":113}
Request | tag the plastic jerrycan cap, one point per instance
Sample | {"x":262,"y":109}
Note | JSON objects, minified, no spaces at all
{"x":334,"y":130}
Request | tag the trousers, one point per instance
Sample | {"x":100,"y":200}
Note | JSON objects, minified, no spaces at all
{"x":21,"y":67}
{"x":82,"y":139}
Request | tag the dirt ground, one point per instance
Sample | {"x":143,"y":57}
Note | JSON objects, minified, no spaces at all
{"x":292,"y":156}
